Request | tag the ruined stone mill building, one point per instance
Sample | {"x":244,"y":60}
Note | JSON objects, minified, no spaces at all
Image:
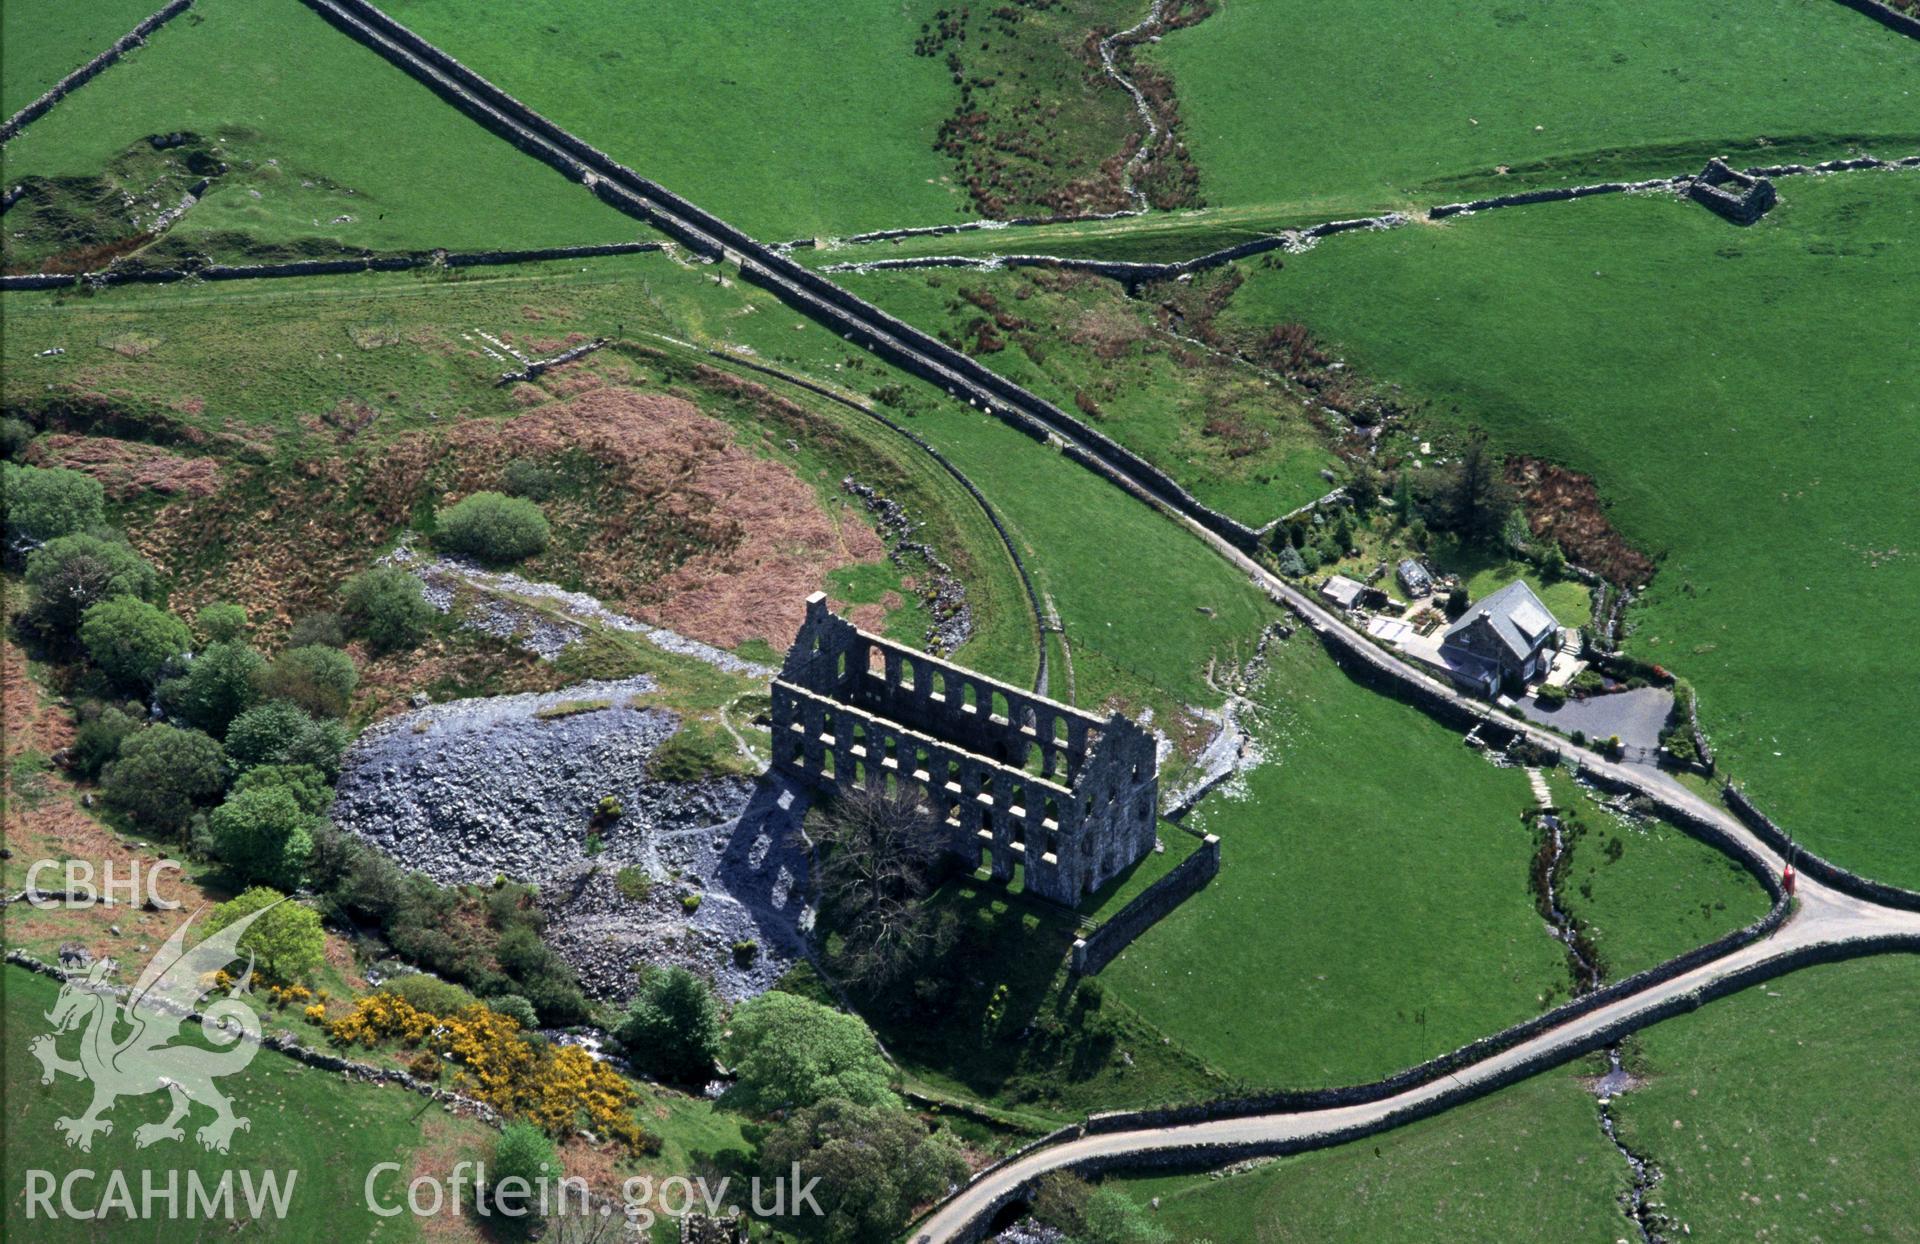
{"x":1017,"y":779}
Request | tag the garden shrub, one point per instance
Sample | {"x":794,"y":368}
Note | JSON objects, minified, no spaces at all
{"x":308,"y":786}
{"x":516,"y":1008}
{"x":430,"y":994}
{"x":672,"y":1030}
{"x":280,"y":733}
{"x":222,"y":622}
{"x":286,"y":943}
{"x":98,"y":739}
{"x":219,"y":685}
{"x":325,"y":629}
{"x":493,"y":528}
{"x":789,"y":1052}
{"x":71,"y":574}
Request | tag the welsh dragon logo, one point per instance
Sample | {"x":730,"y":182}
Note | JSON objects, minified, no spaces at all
{"x":124,"y":1052}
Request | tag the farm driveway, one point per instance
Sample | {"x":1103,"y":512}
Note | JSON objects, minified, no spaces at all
{"x":1636,"y":716}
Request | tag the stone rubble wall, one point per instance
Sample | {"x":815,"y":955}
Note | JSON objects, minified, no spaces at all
{"x":857,"y":321}
{"x":1812,"y":865}
{"x":125,"y":274}
{"x":1100,"y":947}
{"x":946,"y":464}
{"x":1892,"y":19}
{"x":1208,"y":1155}
{"x":87,"y":72}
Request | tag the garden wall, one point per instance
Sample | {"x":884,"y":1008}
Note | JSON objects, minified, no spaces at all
{"x":1100,"y":947}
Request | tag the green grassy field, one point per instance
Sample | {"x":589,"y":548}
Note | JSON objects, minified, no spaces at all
{"x":1743,"y":401}
{"x":42,"y":41}
{"x":1501,"y":1168}
{"x":392,"y":167}
{"x":1657,"y":894}
{"x":1237,"y":442}
{"x":786,"y":121}
{"x":1337,"y":105}
{"x":1787,"y":1111}
{"x":1371,"y":909}
{"x":240,"y":363}
{"x":331,"y":1133}
{"x":1817,"y":1146}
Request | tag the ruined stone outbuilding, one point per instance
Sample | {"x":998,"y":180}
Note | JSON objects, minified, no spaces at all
{"x":1729,"y":193}
{"x":1016,"y":778}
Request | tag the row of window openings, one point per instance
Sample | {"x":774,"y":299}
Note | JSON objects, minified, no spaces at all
{"x":998,"y":704}
{"x":1051,"y":762}
{"x":1016,"y":798}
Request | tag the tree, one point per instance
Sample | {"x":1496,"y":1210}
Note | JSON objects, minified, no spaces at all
{"x":873,"y":1164}
{"x":286,"y":943}
{"x":220,"y":623}
{"x":1090,"y":1214}
{"x":522,"y":1152}
{"x":219,"y":685}
{"x":492,"y":527}
{"x":317,"y":678}
{"x":279,"y":733}
{"x":878,"y":850}
{"x":1290,"y":562}
{"x":307,"y":785}
{"x":326,"y":629}
{"x":161,"y":773}
{"x":71,"y":574}
{"x":1457,"y":601}
{"x":673,"y":1028}
{"x":387,"y":606}
{"x":98,"y":740}
{"x":42,"y":503}
{"x":264,"y":835}
{"x":1471,"y":496}
{"x":1364,"y":488}
{"x":790,"y":1052}
{"x":131,"y":640}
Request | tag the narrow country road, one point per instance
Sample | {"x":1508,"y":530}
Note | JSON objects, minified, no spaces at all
{"x":1824,"y":918}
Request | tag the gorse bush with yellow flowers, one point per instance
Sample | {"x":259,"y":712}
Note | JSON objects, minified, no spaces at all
{"x":556,"y":1088}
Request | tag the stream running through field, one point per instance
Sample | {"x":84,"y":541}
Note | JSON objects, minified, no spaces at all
{"x":1587,"y":976}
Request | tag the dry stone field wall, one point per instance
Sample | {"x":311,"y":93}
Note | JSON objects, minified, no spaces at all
{"x":133,"y":274}
{"x":1099,"y":948}
{"x":87,"y":72}
{"x":1892,"y":19}
{"x":899,"y":343}
{"x":1211,"y":1155}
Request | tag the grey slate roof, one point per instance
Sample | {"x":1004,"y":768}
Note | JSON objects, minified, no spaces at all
{"x":1517,"y":617}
